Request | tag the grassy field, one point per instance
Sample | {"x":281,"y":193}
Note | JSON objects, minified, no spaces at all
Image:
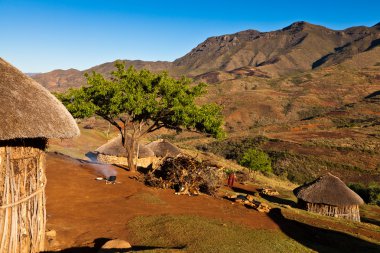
{"x":196,"y":234}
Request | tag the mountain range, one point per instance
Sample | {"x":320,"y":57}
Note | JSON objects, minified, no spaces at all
{"x":298,"y":47}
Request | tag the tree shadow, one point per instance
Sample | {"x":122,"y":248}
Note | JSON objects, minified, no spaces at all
{"x":320,"y":239}
{"x":99,"y":242}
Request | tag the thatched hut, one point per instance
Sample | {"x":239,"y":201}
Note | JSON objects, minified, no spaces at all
{"x":29,"y":115}
{"x":163,"y":148}
{"x":328,"y":195}
{"x":113,"y":152}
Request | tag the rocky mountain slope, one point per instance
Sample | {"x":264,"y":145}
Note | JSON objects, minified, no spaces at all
{"x":298,"y":47}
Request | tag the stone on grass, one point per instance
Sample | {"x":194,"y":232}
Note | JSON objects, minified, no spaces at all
{"x":115,"y":246}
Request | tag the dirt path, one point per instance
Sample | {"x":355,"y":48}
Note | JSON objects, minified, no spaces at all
{"x":82,"y":209}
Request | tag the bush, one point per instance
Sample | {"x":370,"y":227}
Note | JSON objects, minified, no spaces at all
{"x":370,"y":194}
{"x":256,"y":160}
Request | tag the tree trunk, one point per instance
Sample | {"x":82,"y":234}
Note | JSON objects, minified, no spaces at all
{"x":130,"y":148}
{"x":131,"y":156}
{"x":131,"y":161}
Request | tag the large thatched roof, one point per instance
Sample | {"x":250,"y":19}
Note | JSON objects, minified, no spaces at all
{"x":114,"y":147}
{"x":330,"y":190}
{"x":162,"y":148}
{"x":28,"y":110}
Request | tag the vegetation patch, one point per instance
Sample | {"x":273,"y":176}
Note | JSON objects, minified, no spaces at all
{"x":370,"y":193}
{"x":234,"y":148}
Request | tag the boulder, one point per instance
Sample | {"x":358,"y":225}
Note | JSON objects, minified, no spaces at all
{"x":115,"y":246}
{"x":51,"y":233}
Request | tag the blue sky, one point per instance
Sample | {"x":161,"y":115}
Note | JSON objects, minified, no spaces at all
{"x":39,"y":36}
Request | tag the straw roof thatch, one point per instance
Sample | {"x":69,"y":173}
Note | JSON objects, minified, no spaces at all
{"x":28,"y":110}
{"x":329,"y":190}
{"x":162,"y":148}
{"x":114,"y":147}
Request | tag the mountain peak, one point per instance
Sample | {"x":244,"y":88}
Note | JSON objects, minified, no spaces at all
{"x":298,"y":25}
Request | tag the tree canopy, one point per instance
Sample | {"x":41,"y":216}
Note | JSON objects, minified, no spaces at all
{"x":256,"y":160}
{"x":139,"y":102}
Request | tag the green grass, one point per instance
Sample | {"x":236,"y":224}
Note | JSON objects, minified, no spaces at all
{"x":198,"y":235}
{"x":148,"y":198}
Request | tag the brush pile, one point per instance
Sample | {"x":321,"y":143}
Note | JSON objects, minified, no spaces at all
{"x":186,"y":175}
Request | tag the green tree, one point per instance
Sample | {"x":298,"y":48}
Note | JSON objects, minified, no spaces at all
{"x":256,"y":160}
{"x":140,"y":102}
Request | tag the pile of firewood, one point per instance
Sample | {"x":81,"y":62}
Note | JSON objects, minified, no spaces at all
{"x":186,"y":175}
{"x":249,"y":201}
{"x":269,"y":192}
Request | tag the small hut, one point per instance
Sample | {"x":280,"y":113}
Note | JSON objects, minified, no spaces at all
{"x":163,"y":148}
{"x":328,"y":195}
{"x":29,"y":115}
{"x":113,"y":152}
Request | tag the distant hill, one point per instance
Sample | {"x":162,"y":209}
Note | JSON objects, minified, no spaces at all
{"x":296,"y":48}
{"x":60,"y":80}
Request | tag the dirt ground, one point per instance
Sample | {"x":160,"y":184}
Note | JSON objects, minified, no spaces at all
{"x":81,"y":209}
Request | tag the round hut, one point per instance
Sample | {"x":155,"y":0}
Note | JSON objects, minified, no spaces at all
{"x":328,"y":195}
{"x":113,"y":152}
{"x":29,"y":116}
{"x":162,"y":148}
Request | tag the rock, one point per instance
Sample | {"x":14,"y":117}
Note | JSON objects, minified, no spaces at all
{"x":250,"y":198}
{"x":269,"y":192}
{"x":234,"y":196}
{"x":51,"y":233}
{"x":263,"y":207}
{"x":115,"y":246}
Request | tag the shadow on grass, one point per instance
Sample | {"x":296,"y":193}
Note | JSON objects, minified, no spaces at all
{"x":278,"y":200}
{"x":320,"y":239}
{"x":98,"y":243}
{"x":272,"y":199}
{"x":369,"y":220}
{"x":244,"y":191}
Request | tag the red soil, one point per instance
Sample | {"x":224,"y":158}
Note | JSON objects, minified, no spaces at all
{"x":82,"y":209}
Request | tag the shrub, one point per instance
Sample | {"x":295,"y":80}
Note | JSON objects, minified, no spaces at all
{"x":256,"y":160}
{"x":370,"y":194}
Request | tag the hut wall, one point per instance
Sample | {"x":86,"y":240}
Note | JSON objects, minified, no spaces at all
{"x":22,"y":200}
{"x":346,"y":212}
{"x":141,"y":162}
